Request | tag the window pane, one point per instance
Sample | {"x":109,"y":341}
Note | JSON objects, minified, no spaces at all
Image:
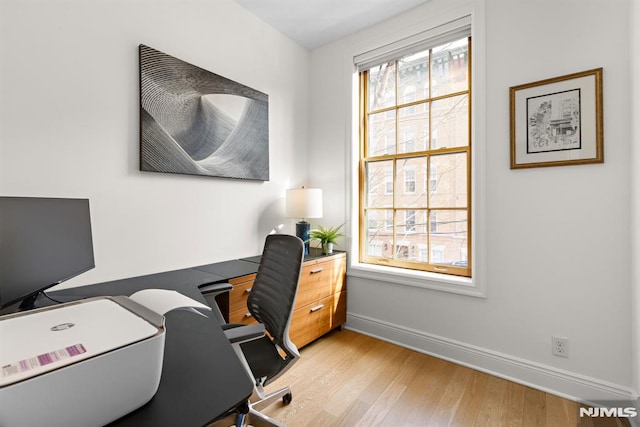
{"x":413,"y":128}
{"x":449,"y":68}
{"x":379,"y":233}
{"x":382,"y":86}
{"x":411,"y":235}
{"x":382,"y":134}
{"x":380,"y":184}
{"x":448,"y":244}
{"x":410,"y":179}
{"x":416,"y":158}
{"x":448,"y":186}
{"x":413,"y":77}
{"x":450,"y":122}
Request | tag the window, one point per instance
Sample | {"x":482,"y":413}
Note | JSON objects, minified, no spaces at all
{"x":375,"y":248}
{"x":410,"y":220}
{"x":425,"y":201}
{"x":409,"y":180}
{"x":388,"y":220}
{"x":388,"y":181}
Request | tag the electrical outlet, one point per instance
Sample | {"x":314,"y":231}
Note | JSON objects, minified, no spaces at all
{"x":560,"y":346}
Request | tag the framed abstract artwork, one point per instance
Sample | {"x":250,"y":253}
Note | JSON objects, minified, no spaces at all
{"x":195,"y":122}
{"x":557,"y":121}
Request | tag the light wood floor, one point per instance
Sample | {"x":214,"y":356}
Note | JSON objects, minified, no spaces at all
{"x":348,"y":379}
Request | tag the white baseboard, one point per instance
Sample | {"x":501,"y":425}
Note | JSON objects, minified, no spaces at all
{"x":635,"y":421}
{"x":542,"y":377}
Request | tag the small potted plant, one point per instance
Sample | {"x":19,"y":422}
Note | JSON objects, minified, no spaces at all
{"x":327,"y":237}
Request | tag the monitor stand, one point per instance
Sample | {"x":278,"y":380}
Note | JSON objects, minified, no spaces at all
{"x":29,"y":303}
{"x":39,"y":300}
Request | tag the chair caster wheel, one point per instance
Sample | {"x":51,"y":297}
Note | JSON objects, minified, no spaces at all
{"x":287,"y":398}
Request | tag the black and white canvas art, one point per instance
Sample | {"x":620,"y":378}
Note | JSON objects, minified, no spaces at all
{"x":195,"y":122}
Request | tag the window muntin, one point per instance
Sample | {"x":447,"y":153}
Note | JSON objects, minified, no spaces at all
{"x":420,"y":217}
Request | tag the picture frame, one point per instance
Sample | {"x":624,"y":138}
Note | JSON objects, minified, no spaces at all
{"x":196,"y":122}
{"x":557,"y":121}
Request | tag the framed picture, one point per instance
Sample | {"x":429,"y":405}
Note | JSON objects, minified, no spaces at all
{"x":557,"y":122}
{"x":196,"y":122}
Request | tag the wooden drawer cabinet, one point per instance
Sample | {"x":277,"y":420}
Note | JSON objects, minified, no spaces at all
{"x":314,"y":320}
{"x":238,"y":312}
{"x":320,"y":278}
{"x":321,"y":303}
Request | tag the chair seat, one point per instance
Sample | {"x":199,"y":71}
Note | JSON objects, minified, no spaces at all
{"x":261,"y":355}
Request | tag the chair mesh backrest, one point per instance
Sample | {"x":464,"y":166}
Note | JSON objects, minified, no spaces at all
{"x":274,"y":290}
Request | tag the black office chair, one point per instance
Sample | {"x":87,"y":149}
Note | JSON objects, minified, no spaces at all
{"x":267,"y":356}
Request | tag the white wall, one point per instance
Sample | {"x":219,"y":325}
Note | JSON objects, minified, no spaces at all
{"x":556,"y":248}
{"x":635,"y":183}
{"x":69,"y":102}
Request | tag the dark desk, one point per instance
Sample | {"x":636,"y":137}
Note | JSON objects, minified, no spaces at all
{"x":202,"y":377}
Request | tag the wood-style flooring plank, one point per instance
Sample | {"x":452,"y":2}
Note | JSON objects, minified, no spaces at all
{"x":491,"y":407}
{"x":561,"y":411}
{"x":452,"y":395}
{"x":416,"y":378}
{"x":382,"y":405}
{"x":347,"y":379}
{"x":512,"y":411}
{"x":535,"y":407}
{"x":472,"y":400}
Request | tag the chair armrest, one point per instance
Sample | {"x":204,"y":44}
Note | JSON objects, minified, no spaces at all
{"x":244,"y":333}
{"x":215,"y":288}
{"x":210,"y":292}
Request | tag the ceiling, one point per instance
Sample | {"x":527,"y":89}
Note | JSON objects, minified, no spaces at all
{"x":314,"y":23}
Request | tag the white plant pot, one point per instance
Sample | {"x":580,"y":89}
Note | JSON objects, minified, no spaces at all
{"x":327,"y":248}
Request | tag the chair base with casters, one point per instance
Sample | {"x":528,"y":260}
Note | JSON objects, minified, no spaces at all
{"x":261,"y":359}
{"x":251,"y":413}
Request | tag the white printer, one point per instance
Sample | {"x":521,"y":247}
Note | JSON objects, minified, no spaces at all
{"x":84,"y":363}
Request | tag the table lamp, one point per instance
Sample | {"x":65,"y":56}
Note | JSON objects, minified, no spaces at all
{"x":304,"y":203}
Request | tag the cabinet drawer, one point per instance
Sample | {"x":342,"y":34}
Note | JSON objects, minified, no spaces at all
{"x":242,"y":279}
{"x":241,"y":316}
{"x":313,"y":320}
{"x":320,"y":279}
{"x":237,"y":305}
{"x":238,"y":296}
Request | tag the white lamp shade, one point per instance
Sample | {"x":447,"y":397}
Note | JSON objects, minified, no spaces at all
{"x":304,"y":203}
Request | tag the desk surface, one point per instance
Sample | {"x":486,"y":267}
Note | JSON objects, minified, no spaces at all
{"x":202,"y":377}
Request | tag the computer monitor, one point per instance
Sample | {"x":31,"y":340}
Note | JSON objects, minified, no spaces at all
{"x":43,"y":242}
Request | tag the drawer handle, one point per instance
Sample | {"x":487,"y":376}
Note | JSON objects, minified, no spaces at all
{"x":317,"y":270}
{"x":248,"y":315}
{"x":247,"y":291}
{"x":316,"y":308}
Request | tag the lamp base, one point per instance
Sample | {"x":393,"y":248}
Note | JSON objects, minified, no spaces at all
{"x":302,"y":231}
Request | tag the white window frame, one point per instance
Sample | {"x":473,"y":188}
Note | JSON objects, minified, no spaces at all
{"x":409,"y":177}
{"x":476,"y":285}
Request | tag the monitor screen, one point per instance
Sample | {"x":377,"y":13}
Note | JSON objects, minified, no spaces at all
{"x":43,"y":242}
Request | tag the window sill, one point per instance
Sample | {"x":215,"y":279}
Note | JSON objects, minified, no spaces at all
{"x":419,"y":279}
